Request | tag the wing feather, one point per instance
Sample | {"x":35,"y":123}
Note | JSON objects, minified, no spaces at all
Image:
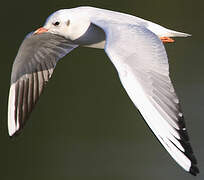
{"x":142,"y":64}
{"x":32,"y":68}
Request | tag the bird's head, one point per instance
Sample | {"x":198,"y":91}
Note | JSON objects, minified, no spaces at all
{"x":67,"y":23}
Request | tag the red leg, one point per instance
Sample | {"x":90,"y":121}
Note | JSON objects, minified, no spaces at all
{"x":166,"y":39}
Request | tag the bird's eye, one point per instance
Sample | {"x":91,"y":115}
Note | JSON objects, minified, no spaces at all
{"x":56,"y":23}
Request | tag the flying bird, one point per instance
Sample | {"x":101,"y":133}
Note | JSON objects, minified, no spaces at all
{"x":134,"y":46}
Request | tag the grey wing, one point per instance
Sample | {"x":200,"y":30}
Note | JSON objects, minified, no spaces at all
{"x":142,"y":64}
{"x":32,"y":68}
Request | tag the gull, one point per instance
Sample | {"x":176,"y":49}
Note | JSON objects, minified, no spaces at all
{"x":134,"y":46}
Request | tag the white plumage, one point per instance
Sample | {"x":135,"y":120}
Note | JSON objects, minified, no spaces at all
{"x":134,"y":47}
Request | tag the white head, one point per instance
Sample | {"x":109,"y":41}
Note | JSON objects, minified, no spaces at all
{"x":67,"y":22}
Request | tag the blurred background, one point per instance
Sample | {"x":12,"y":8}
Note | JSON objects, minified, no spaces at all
{"x":84,"y":125}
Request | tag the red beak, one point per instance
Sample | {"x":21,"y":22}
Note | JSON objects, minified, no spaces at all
{"x":40,"y":30}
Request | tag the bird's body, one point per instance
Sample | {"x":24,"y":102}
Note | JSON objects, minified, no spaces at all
{"x":135,"y":48}
{"x":89,"y":15}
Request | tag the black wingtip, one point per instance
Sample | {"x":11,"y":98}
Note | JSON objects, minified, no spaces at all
{"x":194,"y":170}
{"x":15,"y":134}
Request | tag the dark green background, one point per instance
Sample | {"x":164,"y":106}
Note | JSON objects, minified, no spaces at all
{"x":84,"y":125}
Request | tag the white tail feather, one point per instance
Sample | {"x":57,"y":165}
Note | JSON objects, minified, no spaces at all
{"x":173,"y":33}
{"x":164,"y":32}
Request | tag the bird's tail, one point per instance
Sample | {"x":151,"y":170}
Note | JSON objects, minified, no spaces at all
{"x":164,"y":32}
{"x":173,"y":33}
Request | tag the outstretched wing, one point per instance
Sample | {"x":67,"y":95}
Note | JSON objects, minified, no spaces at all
{"x":142,"y":64}
{"x":32,"y":68}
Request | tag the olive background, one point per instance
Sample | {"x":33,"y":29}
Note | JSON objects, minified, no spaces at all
{"x":84,"y":125}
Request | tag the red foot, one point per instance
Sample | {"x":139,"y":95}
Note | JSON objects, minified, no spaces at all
{"x":166,"y":39}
